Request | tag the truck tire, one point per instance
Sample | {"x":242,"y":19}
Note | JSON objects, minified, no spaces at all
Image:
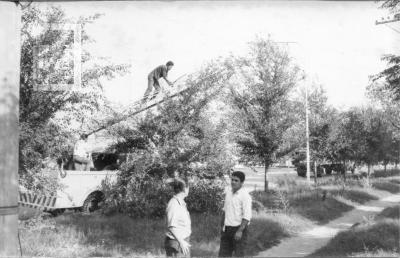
{"x":92,"y":202}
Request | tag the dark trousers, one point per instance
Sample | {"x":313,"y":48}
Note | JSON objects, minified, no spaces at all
{"x":229,"y":246}
{"x":151,"y":83}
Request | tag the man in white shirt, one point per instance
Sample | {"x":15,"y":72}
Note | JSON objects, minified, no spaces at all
{"x":235,"y":218}
{"x":178,"y":222}
{"x":81,"y":155}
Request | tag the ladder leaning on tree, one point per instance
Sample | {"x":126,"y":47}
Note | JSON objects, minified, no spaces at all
{"x":139,"y":107}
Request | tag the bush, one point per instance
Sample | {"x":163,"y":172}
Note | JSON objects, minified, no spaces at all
{"x":205,"y":196}
{"x":148,"y":197}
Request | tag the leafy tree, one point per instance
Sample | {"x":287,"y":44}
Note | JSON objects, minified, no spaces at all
{"x":385,"y":86}
{"x":44,"y":114}
{"x":363,"y":135}
{"x":180,"y":135}
{"x":259,"y":94}
{"x":322,"y":120}
{"x":392,"y":5}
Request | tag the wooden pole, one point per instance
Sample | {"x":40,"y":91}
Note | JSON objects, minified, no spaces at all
{"x":307,"y":139}
{"x":9,"y":100}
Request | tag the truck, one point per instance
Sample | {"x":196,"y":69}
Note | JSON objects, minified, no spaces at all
{"x":79,"y":190}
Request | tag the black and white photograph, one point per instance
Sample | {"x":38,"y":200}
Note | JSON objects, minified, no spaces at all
{"x":198,"y":128}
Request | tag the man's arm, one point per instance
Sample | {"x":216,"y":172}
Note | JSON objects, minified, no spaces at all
{"x":239,"y":232}
{"x":182,"y":242}
{"x":168,"y":81}
{"x":165,"y":76}
{"x":222,"y":220}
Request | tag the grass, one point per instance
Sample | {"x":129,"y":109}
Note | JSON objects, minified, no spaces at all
{"x":298,"y":207}
{"x":384,"y":235}
{"x":98,"y":236}
{"x":390,"y":212}
{"x":354,"y":195}
{"x":386,"y":186}
{"x":387,"y":173}
{"x":312,"y":207}
{"x":95,"y":235}
{"x":307,"y":203}
{"x":263,"y":234}
{"x":377,"y":253}
{"x":396,"y":181}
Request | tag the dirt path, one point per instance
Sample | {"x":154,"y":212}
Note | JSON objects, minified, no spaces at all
{"x":309,"y":241}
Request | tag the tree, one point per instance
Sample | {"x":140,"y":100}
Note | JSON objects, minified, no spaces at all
{"x":259,"y":95}
{"x":178,"y":136}
{"x":179,"y":133}
{"x":392,"y":5}
{"x":44,"y":114}
{"x":385,"y":86}
{"x":363,"y":135}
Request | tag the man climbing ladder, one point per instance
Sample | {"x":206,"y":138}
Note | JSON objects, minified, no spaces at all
{"x":153,"y":77}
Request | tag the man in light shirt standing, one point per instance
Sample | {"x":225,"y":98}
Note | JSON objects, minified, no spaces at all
{"x":81,"y":155}
{"x":235,"y":218}
{"x":178,"y":222}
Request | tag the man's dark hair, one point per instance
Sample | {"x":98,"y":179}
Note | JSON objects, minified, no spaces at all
{"x":169,"y":63}
{"x":240,"y":175}
{"x":84,"y":136}
{"x":178,"y":185}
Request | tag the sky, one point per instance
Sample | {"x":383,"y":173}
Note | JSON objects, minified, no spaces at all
{"x":336,"y":43}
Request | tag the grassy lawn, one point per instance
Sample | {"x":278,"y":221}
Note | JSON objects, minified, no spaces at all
{"x":387,"y":173}
{"x":278,"y":214}
{"x":387,"y":186}
{"x":390,"y":212}
{"x":396,"y":181}
{"x":383,"y":235}
{"x":322,"y":211}
{"x":354,"y":195}
{"x":377,"y":253}
{"x":77,"y":235}
{"x":307,"y":203}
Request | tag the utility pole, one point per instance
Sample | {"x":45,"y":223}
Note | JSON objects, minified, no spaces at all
{"x":307,"y":139}
{"x":10,"y":49}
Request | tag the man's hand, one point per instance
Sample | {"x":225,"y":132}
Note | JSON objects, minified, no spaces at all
{"x":238,"y":235}
{"x":184,"y":246}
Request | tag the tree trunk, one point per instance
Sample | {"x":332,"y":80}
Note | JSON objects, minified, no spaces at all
{"x":315,"y":172}
{"x":266,"y":165}
{"x":344,"y":172}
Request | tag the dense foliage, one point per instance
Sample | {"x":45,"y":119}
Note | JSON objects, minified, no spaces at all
{"x":50,"y":119}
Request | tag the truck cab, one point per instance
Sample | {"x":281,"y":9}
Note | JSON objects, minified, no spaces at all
{"x":83,"y":189}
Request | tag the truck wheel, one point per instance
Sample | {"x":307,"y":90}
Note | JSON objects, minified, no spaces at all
{"x":92,"y":202}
